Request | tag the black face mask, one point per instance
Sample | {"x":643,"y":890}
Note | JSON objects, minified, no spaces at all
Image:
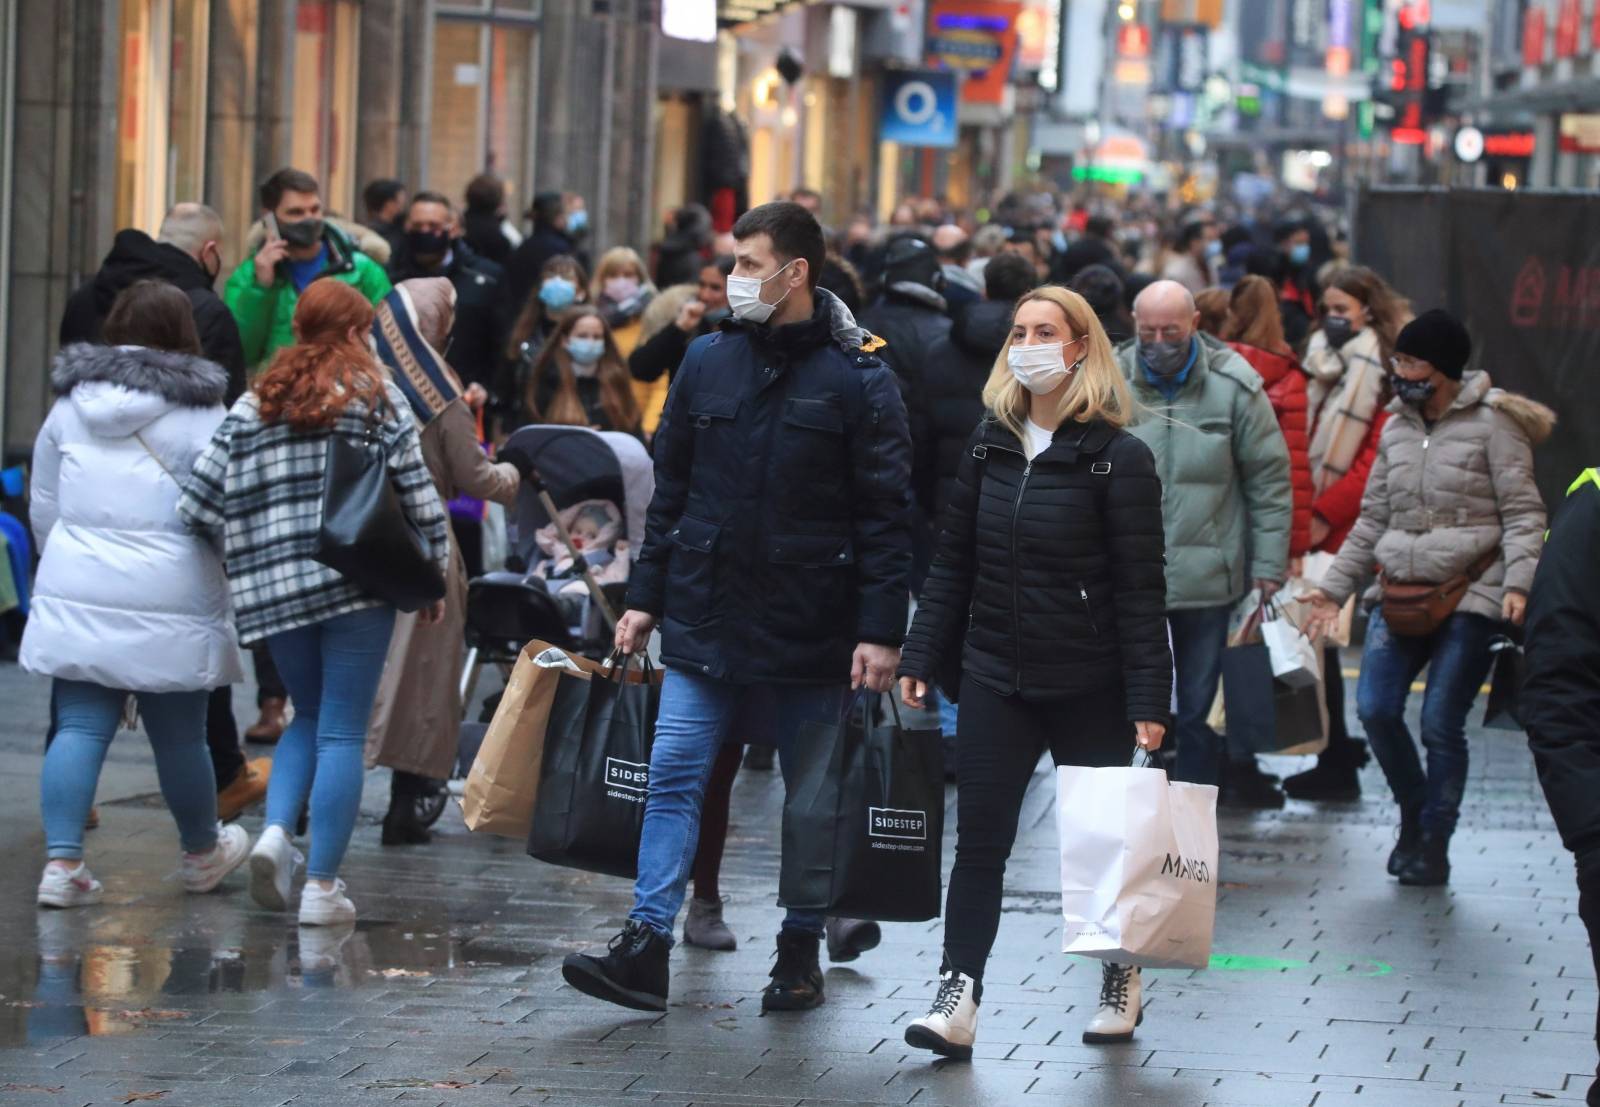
{"x":1414,"y":393}
{"x":428,"y":244}
{"x":1338,"y":330}
{"x":302,"y":233}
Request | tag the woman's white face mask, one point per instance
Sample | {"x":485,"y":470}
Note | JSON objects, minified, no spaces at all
{"x":1042,"y":368}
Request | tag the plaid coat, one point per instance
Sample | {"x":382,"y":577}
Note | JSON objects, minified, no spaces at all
{"x":258,"y":489}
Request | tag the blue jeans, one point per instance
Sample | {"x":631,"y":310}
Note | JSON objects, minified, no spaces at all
{"x":86,"y":718}
{"x":331,"y":670}
{"x":1458,"y":659}
{"x":697,"y":714}
{"x":1199,"y":636}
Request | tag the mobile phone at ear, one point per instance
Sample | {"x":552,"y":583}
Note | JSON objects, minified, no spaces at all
{"x":272,"y":226}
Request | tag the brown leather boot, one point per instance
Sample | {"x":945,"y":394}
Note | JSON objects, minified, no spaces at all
{"x":247,"y":788}
{"x":269,"y":728}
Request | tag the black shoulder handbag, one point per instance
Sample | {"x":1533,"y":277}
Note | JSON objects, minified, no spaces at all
{"x":365,"y":535}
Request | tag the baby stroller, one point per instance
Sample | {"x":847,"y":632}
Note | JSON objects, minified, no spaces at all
{"x":572,"y":536}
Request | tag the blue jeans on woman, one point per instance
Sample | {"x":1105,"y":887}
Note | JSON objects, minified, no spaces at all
{"x":331,"y":670}
{"x":696,"y":716}
{"x":1458,"y":660}
{"x":86,"y":718}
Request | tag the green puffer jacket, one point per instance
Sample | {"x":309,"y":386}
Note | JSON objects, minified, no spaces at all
{"x":1225,"y":493}
{"x":266,"y":315}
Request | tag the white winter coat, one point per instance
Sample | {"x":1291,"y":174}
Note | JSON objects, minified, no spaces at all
{"x":127,"y":597}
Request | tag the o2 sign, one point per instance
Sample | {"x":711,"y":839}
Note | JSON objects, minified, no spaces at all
{"x":919,"y":108}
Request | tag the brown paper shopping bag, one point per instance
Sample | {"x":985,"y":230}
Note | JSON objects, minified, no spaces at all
{"x":504,"y":780}
{"x":503,"y":783}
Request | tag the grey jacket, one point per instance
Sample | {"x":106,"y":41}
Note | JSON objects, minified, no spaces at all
{"x":1439,"y":498}
{"x":1226,"y":501}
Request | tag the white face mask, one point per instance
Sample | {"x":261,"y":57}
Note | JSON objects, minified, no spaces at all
{"x":1040,"y":369}
{"x":744,"y":297}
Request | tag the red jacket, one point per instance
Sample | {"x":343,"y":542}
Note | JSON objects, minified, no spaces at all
{"x":1340,"y":503}
{"x":1286,"y":388}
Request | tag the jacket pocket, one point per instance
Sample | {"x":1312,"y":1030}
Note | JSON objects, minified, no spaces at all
{"x":812,"y":471}
{"x":818,"y":415}
{"x":810,"y":585}
{"x":1088,"y":607}
{"x":708,"y":409}
{"x":691,"y":570}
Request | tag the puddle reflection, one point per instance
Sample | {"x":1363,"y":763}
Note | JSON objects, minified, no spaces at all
{"x":111,"y":972}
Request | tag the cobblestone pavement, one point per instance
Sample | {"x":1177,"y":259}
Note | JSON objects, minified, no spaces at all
{"x":1334,"y":986}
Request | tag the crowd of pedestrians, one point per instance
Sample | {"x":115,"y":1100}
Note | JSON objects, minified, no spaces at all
{"x":1077,"y":438}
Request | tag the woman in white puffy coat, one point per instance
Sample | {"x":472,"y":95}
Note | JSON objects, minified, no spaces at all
{"x":128,"y":600}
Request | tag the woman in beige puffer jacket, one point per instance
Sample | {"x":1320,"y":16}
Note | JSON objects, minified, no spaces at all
{"x":1451,"y":487}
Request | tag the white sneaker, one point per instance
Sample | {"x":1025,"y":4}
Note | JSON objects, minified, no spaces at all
{"x":1121,"y":1006}
{"x":60,"y":887}
{"x":951,"y":1024}
{"x":202,"y":872}
{"x":272,"y":867}
{"x":325,"y":908}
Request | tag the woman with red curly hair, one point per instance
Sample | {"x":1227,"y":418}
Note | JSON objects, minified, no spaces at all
{"x":257,"y":490}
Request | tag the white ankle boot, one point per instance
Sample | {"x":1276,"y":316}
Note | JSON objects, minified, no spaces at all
{"x":1121,"y":1006}
{"x":951,"y":1024}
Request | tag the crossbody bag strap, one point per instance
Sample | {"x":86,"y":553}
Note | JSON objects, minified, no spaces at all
{"x":155,"y":457}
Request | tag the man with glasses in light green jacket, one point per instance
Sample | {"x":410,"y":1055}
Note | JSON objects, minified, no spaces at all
{"x":1226,"y":505}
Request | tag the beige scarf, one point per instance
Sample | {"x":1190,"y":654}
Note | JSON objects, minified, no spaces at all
{"x":1345,"y":387}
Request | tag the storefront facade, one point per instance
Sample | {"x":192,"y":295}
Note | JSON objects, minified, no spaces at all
{"x":113,"y":110}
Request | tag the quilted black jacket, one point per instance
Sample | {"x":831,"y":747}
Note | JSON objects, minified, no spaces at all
{"x":1051,"y":571}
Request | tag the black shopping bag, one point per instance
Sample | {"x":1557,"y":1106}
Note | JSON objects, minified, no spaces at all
{"x":863,"y":822}
{"x":596,"y":771}
{"x":1505,"y":686}
{"x":1301,"y":718}
{"x":1249,"y":698}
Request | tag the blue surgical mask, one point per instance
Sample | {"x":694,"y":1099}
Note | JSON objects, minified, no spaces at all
{"x":1214,"y":248}
{"x":578,"y":220}
{"x":557,"y":292}
{"x":1300,"y":253}
{"x":585,"y":351}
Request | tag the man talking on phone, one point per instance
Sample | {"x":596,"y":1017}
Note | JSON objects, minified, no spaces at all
{"x":301,"y":246}
{"x":776,"y":560}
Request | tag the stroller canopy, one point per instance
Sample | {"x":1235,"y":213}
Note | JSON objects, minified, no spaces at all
{"x":577,"y":464}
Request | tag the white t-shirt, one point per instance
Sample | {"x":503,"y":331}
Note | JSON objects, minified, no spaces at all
{"x":1039,"y":439}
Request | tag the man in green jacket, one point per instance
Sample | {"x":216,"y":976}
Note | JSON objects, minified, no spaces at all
{"x":300,"y":247}
{"x":1225,"y":502}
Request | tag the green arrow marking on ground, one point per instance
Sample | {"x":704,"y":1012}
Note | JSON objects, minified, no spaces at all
{"x":1238,"y":962}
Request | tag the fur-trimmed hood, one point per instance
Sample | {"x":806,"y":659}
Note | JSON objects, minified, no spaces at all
{"x":184,"y":379}
{"x":120,"y":390}
{"x":1537,"y":421}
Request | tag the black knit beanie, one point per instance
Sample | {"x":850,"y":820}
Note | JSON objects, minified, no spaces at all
{"x":1438,"y":338}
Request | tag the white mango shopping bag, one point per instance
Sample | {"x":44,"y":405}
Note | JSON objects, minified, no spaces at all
{"x":1138,"y":866}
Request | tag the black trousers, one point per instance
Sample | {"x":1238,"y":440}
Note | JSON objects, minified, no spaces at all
{"x":269,"y":685}
{"x":998,"y":743}
{"x":1589,"y":912}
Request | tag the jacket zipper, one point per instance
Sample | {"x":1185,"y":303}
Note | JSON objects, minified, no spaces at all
{"x":1422,"y":494}
{"x":1083,"y":593}
{"x":1016,"y":589}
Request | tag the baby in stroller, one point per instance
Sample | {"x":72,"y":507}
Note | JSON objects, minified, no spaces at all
{"x":599,"y":538}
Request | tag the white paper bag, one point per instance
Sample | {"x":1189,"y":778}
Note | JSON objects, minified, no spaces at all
{"x":1138,"y":866}
{"x":1296,"y":660}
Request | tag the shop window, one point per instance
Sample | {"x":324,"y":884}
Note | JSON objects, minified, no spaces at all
{"x":161,"y":125}
{"x":483,"y":103}
{"x":326,"y":53}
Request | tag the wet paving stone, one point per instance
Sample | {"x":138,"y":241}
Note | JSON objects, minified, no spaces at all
{"x":1332,"y":986}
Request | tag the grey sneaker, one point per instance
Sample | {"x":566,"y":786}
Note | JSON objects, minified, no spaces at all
{"x":704,"y":926}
